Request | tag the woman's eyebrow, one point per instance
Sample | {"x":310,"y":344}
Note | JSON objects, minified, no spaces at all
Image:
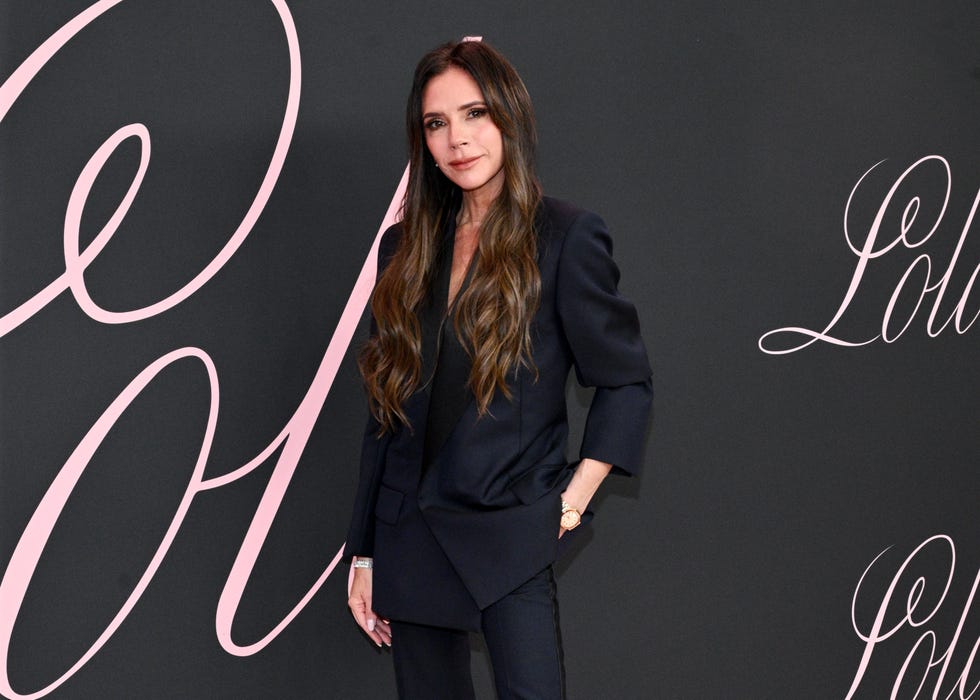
{"x":458,"y":109}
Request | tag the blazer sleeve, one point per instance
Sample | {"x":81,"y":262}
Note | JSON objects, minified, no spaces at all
{"x":360,"y":534}
{"x":603,"y":332}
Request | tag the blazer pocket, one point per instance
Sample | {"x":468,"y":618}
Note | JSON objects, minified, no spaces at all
{"x":389,"y":505}
{"x":538,"y":481}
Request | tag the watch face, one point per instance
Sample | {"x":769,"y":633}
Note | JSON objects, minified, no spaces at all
{"x":569,"y":520}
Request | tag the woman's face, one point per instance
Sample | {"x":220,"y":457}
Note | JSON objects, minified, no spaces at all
{"x":461,"y":137}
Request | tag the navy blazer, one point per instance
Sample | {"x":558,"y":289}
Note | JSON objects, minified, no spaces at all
{"x":458,"y":510}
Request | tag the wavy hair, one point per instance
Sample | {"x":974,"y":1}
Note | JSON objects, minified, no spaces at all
{"x":492,"y":316}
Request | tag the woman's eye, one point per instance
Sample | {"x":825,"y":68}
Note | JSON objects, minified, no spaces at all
{"x":476,"y":112}
{"x":433,"y":124}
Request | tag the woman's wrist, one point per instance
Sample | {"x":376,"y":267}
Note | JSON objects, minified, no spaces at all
{"x":589,"y":474}
{"x":363,"y":563}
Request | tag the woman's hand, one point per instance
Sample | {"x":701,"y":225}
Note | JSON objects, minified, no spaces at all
{"x":359,"y":603}
{"x":585,"y":482}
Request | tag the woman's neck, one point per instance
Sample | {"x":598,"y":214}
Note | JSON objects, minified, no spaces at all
{"x":475,"y":207}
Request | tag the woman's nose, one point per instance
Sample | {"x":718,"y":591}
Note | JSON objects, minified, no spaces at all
{"x":458,"y":137}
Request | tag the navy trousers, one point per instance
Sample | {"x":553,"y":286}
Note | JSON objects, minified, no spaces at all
{"x":522,"y":635}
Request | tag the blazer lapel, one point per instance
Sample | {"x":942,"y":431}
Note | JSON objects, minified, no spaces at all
{"x":449,"y":391}
{"x":431,"y":317}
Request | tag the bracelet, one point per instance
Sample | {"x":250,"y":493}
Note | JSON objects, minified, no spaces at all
{"x":363,"y":563}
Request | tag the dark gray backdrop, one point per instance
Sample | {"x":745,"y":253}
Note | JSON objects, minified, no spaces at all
{"x":720,"y":145}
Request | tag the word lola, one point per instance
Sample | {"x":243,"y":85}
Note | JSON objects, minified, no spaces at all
{"x":919,"y":281}
{"x":913,"y":596}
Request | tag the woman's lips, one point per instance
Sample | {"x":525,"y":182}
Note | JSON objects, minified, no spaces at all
{"x":464,"y":163}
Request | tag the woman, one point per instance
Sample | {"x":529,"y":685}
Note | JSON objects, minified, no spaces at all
{"x":487,"y":295}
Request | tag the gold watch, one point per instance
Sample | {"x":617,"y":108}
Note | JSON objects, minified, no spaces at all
{"x":570,"y":517}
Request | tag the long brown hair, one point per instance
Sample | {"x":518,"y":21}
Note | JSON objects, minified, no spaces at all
{"x":492,"y":316}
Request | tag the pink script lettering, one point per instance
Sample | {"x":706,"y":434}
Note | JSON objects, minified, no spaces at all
{"x":293,"y":437}
{"x":916,"y":614}
{"x":892,"y":326}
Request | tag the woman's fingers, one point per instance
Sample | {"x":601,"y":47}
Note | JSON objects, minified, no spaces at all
{"x":383,"y":628}
{"x":359,"y":603}
{"x":378,"y":629}
{"x":363,"y":615}
{"x":367,"y":620}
